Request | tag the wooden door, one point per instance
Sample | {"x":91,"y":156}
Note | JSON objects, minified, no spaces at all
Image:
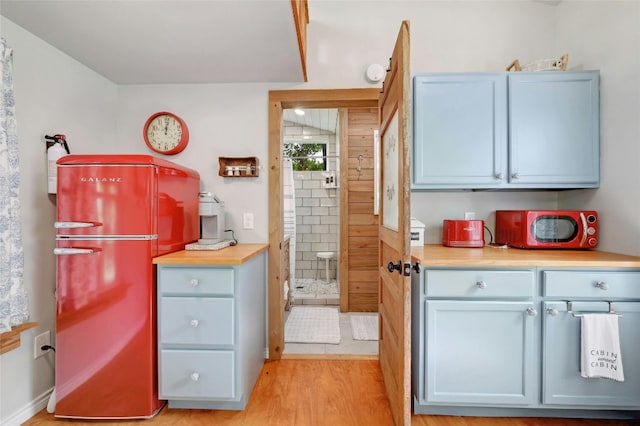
{"x":358,"y":220}
{"x":394,"y":290}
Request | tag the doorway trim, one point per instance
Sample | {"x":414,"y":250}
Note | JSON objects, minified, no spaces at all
{"x":278,"y":101}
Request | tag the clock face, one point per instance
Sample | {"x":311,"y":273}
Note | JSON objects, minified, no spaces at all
{"x":166,"y":133}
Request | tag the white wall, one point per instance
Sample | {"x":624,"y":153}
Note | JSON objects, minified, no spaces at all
{"x":53,"y":94}
{"x":609,"y":40}
{"x":228,"y":120}
{"x":56,"y":94}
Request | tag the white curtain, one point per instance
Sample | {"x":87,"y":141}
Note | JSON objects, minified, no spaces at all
{"x":14,"y":306}
{"x":289,"y":216}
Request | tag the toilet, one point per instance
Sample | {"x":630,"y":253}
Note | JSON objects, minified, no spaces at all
{"x":327,"y":256}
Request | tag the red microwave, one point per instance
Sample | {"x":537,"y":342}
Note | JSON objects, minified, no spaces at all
{"x":547,"y":229}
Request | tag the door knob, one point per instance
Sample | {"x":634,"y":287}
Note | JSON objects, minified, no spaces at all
{"x":391,"y":267}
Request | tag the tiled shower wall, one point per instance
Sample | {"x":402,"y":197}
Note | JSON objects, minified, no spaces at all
{"x":317,"y":223}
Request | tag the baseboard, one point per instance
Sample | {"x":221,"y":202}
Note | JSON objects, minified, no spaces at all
{"x":28,"y":411}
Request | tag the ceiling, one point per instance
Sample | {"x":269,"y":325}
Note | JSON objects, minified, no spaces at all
{"x":323,"y":119}
{"x":171,"y":41}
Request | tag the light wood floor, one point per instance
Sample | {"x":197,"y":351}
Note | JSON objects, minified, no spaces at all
{"x":318,"y":392}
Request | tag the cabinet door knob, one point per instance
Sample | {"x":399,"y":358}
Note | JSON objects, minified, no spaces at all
{"x":515,"y":176}
{"x":195,"y":323}
{"x":194,"y":282}
{"x":552,"y":311}
{"x":532,"y":312}
{"x":195,"y":376}
{"x":499,"y":176}
{"x":602,"y":285}
{"x":481,"y":284}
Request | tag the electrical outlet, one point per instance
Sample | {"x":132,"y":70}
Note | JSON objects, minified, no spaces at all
{"x":39,"y":341}
{"x":469,"y":215}
{"x":247,"y":220}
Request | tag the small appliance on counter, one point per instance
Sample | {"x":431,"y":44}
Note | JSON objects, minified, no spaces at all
{"x":211,"y":210}
{"x":547,"y":229}
{"x":417,"y":233}
{"x":463,"y":233}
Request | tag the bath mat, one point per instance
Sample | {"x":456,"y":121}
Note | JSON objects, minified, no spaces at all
{"x":364,"y":327}
{"x":312,"y":325}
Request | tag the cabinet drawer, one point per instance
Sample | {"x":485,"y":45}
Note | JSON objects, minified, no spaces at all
{"x":479,"y":283}
{"x":198,"y":374}
{"x":191,"y":280}
{"x":592,"y":284}
{"x":196,"y":320}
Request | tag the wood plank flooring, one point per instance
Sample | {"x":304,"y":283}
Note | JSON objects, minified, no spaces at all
{"x":317,"y":392}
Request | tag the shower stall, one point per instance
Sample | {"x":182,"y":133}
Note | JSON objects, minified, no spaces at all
{"x":311,"y":215}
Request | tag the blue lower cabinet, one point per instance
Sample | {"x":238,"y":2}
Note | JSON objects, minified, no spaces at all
{"x":480,"y":352}
{"x":211,"y":333}
{"x":504,"y":342}
{"x":562,"y":382}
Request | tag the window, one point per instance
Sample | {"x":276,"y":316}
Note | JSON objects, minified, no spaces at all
{"x":307,"y":156}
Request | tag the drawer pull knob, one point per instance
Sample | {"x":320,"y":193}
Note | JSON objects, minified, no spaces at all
{"x":195,"y":376}
{"x":532,"y":312}
{"x":194,"y":282}
{"x":481,"y":284}
{"x":195,"y":323}
{"x":552,"y":311}
{"x":602,"y":285}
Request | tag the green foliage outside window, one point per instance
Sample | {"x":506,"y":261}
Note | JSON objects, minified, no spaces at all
{"x":306,"y":156}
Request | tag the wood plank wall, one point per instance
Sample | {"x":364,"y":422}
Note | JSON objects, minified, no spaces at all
{"x":359,"y":226}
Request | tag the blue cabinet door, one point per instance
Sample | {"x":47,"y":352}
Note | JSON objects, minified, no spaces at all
{"x":506,"y":130}
{"x":562,"y":383}
{"x":554,"y":134}
{"x":460,"y":130}
{"x":481,"y":352}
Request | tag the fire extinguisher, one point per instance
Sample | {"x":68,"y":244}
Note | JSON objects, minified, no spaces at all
{"x":56,"y":147}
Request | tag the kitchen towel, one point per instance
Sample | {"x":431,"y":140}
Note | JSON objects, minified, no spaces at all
{"x":600,"y":351}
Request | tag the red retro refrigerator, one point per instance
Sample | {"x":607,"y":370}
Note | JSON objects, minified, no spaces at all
{"x":114,"y":214}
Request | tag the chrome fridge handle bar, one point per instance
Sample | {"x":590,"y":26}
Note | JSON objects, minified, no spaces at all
{"x":65,"y":251}
{"x":72,"y":225}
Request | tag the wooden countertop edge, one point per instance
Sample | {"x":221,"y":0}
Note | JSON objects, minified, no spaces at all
{"x":433,"y":255}
{"x":233,"y":255}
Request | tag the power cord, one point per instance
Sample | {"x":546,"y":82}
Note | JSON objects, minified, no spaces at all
{"x":490,"y":234}
{"x":233,"y":237}
{"x":47,"y":347}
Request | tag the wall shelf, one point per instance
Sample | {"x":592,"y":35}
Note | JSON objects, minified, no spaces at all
{"x":238,"y":166}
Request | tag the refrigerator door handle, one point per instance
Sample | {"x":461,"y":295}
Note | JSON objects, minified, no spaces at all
{"x":65,"y":251}
{"x":72,"y":225}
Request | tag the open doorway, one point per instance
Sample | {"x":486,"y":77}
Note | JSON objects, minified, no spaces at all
{"x":311,"y":192}
{"x":279,"y":101}
{"x":329,"y":219}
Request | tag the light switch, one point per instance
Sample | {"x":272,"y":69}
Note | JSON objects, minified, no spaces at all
{"x":247,"y":220}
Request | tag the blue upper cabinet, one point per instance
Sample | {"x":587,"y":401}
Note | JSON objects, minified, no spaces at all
{"x":554,"y":129}
{"x":506,"y":130}
{"x":460,"y":130}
